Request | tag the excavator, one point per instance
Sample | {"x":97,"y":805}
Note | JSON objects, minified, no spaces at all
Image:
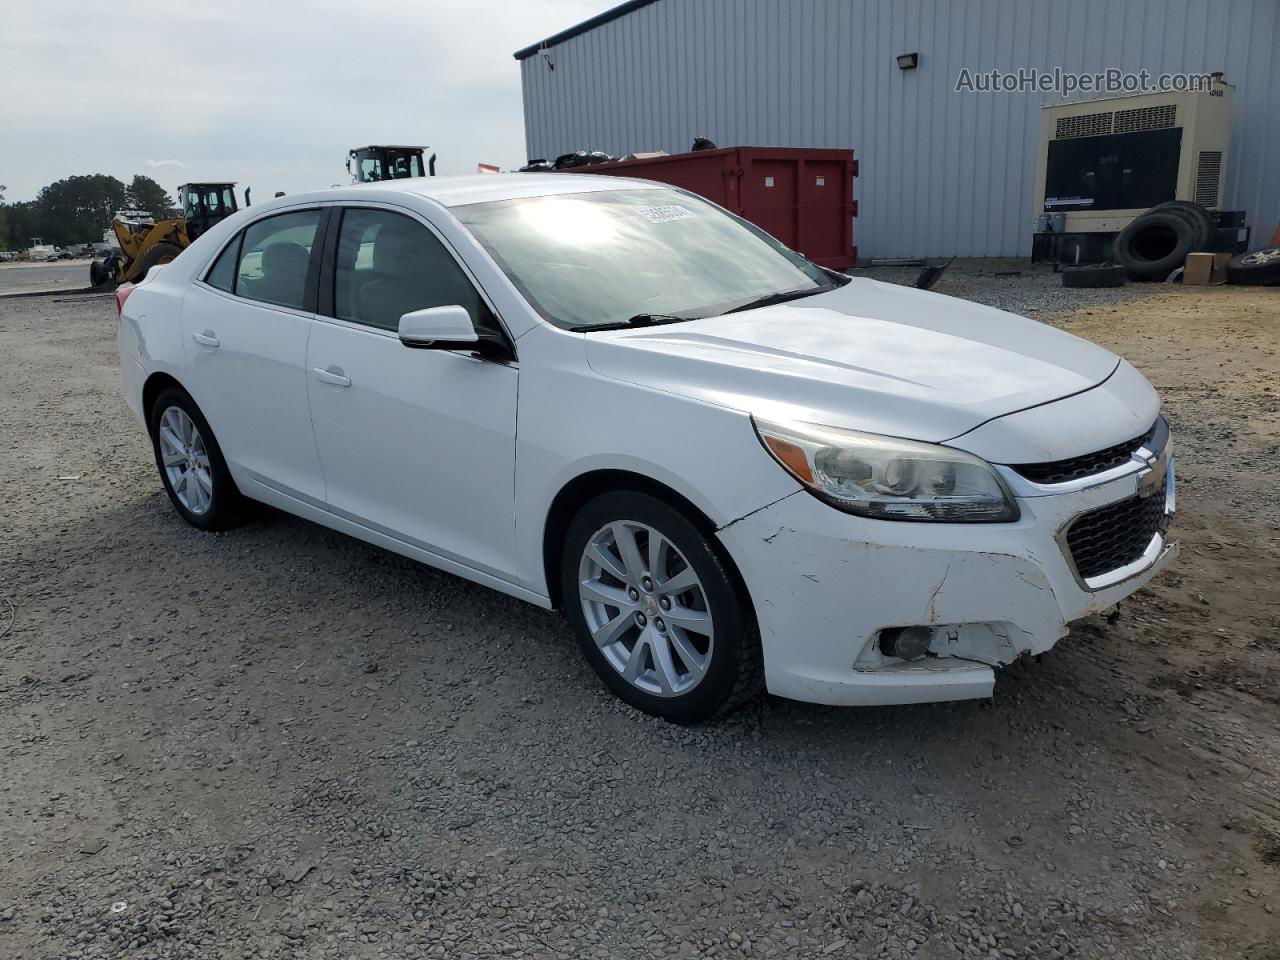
{"x":146,"y":242}
{"x":381,"y":162}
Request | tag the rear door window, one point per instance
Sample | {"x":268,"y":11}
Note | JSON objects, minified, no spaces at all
{"x":275,"y":259}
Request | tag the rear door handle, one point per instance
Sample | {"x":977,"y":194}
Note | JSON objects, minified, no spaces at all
{"x":332,"y":375}
{"x":206,"y":339}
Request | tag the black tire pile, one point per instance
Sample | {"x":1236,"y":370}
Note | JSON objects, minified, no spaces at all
{"x":1157,"y":243}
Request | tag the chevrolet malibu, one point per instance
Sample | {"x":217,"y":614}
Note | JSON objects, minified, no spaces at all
{"x":733,"y":470}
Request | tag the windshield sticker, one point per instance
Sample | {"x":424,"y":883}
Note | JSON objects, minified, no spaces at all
{"x":665,"y":214}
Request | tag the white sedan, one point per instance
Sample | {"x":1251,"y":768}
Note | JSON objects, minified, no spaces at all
{"x":732,"y":469}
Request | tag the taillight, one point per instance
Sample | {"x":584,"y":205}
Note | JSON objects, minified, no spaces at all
{"x":122,"y":294}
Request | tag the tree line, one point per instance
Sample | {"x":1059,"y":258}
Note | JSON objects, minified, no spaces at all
{"x":77,"y":210}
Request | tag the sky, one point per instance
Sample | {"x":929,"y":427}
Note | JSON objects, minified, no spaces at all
{"x":269,"y":93}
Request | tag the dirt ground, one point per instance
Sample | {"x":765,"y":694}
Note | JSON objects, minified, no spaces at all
{"x":281,"y":742}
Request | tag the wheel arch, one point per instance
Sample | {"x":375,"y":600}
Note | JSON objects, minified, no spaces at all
{"x":586,"y":486}
{"x":156,"y":383}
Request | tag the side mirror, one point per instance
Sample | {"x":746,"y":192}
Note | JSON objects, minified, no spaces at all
{"x":438,"y":328}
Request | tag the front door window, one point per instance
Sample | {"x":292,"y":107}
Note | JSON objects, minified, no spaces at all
{"x":389,"y":265}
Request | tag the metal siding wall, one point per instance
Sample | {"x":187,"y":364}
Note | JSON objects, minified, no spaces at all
{"x":943,"y":173}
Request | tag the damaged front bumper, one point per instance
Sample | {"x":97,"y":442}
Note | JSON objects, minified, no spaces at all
{"x":825,"y":584}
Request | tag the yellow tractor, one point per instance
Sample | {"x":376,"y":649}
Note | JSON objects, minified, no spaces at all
{"x":146,"y":242}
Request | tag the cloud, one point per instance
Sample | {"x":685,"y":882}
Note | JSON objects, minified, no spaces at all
{"x":271,"y":95}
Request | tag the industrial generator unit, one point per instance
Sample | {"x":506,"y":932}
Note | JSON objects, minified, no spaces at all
{"x":1104,"y":162}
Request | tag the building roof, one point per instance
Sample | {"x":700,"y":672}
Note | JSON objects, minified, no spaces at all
{"x":621,"y":10}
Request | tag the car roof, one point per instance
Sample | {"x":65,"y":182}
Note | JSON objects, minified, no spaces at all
{"x":477,"y":188}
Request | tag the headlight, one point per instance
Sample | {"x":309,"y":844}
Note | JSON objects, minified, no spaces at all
{"x":888,"y":478}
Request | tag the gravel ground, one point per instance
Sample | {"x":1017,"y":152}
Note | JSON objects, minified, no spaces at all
{"x":281,"y":742}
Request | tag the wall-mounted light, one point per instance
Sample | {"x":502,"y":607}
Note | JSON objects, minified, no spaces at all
{"x":908,"y":61}
{"x":551,"y":64}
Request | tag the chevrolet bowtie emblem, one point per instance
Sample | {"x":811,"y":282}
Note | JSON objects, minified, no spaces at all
{"x":1151,"y":478}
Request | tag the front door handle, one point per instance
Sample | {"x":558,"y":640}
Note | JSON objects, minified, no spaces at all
{"x":331,"y":375}
{"x":206,"y":339}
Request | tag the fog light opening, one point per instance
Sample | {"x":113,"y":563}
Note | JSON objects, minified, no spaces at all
{"x":906,"y":643}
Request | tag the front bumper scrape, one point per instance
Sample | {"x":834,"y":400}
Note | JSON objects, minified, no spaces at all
{"x":824,"y":584}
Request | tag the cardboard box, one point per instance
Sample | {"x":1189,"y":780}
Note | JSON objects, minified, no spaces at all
{"x":1203,"y":269}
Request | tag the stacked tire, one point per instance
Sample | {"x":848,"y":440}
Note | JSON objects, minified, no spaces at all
{"x":1157,"y":243}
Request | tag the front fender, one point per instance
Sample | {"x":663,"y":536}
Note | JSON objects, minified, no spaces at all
{"x":572,"y":421}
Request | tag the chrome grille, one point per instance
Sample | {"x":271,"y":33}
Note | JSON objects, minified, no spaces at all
{"x":1086,"y":465}
{"x":1110,"y":537}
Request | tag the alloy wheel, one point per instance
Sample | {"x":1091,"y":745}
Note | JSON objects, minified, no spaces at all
{"x":185,"y":460}
{"x":1262,"y":257}
{"x":646,"y":608}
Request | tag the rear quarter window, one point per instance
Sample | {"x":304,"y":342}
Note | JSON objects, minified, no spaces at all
{"x":222,"y":275}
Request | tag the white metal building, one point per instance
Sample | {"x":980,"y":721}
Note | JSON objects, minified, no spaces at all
{"x":942,"y":172}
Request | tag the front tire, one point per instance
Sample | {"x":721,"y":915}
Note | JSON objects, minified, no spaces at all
{"x":191,"y":464}
{"x":160,"y":253}
{"x":659,"y":614}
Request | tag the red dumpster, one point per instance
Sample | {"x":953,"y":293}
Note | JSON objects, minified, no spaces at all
{"x":802,"y":197}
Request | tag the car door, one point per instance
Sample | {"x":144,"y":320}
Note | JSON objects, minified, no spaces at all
{"x":415,"y":444}
{"x":245,"y":326}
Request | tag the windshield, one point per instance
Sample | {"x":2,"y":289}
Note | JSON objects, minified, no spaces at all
{"x":216,"y":201}
{"x":593,"y":259}
{"x":399,"y":165}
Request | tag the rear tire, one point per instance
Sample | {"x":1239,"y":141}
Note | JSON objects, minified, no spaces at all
{"x":159,"y":254}
{"x":660,"y":615}
{"x":191,"y":465}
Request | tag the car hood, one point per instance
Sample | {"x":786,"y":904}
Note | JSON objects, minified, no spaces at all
{"x":867,"y":356}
